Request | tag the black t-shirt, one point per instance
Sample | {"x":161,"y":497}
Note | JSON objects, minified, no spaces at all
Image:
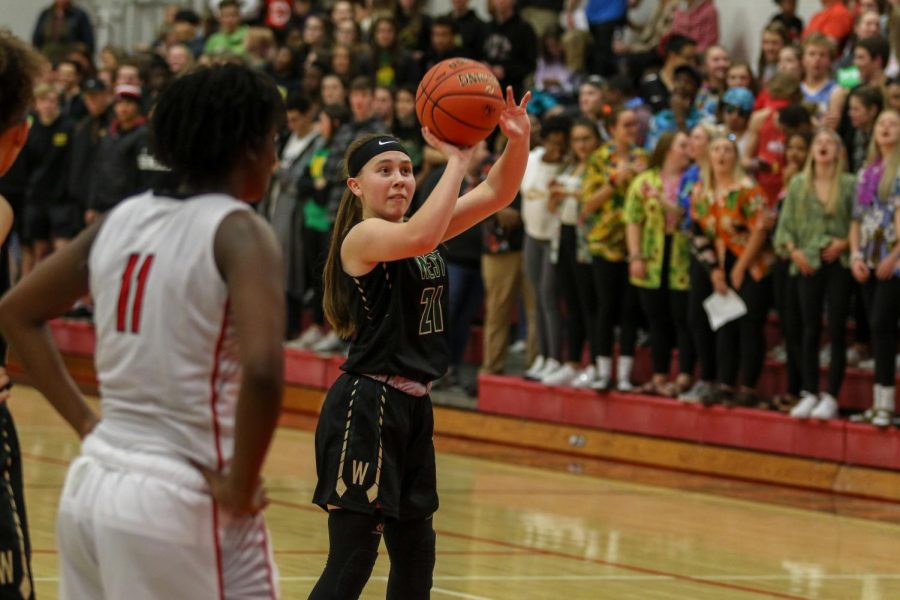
{"x":400,"y":309}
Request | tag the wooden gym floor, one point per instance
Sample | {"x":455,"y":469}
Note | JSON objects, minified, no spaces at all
{"x":520,"y":525}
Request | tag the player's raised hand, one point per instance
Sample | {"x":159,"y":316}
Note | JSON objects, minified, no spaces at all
{"x":446,"y":148}
{"x":514,"y":121}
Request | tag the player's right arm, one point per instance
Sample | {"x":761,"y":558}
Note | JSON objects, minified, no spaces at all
{"x":46,"y":293}
{"x":249,"y":259}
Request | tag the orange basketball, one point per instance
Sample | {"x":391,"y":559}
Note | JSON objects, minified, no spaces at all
{"x":460,"y":101}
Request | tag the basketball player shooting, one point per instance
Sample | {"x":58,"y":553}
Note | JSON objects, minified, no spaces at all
{"x":386,"y":290}
{"x":164,"y":500}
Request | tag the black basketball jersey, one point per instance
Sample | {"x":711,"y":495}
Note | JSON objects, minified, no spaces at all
{"x":401,"y":326}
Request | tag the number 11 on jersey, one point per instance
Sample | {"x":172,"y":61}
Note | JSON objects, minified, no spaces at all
{"x":140,"y":281}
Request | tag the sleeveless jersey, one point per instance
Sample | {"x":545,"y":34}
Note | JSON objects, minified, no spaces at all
{"x":166,"y":356}
{"x":401,"y":327}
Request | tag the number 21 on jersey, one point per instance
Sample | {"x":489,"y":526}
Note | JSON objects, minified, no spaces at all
{"x":432,"y":320}
{"x":137,"y":269}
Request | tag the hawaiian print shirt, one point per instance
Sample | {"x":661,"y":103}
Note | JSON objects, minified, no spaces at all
{"x":605,"y":228}
{"x":732,"y":218}
{"x":644,"y":206}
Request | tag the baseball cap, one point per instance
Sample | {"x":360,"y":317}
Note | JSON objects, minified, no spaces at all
{"x":128,"y":92}
{"x":93,"y":84}
{"x":740,"y":97}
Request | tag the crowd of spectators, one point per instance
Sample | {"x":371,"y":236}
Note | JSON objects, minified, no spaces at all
{"x":664,"y":172}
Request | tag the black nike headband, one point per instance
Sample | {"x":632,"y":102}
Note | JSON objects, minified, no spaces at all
{"x":371,"y":149}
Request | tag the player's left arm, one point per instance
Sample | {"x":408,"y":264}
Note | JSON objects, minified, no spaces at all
{"x":46,"y":293}
{"x":502,"y":184}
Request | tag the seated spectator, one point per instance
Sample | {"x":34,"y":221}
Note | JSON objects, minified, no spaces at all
{"x":656,"y":87}
{"x":50,"y":219}
{"x":774,"y":38}
{"x":789,"y":19}
{"x":728,"y":210}
{"x":682,"y":114}
{"x":833,"y":21}
{"x":698,"y":19}
{"x":813,"y":231}
{"x":659,"y":260}
{"x":874,"y":251}
{"x":229,"y":39}
{"x":61,"y":27}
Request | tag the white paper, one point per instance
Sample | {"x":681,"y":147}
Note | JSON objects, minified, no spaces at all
{"x":723,"y":308}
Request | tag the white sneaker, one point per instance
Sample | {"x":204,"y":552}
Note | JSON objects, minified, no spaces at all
{"x":551,"y":365}
{"x":562,"y":376}
{"x":308,"y":338}
{"x":536,"y":367}
{"x":804,"y":408}
{"x":585,"y":378}
{"x":826,"y":409}
{"x":329,"y":343}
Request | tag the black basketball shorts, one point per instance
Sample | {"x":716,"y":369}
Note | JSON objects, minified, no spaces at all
{"x":374,"y":450}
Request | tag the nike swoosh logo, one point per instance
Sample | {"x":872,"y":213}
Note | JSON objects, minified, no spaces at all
{"x":382,"y":143}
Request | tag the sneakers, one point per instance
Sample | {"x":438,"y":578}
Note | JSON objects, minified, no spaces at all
{"x":309,"y":338}
{"x":804,"y":408}
{"x":826,"y":409}
{"x":536,"y":367}
{"x":561,"y":376}
{"x":700,"y":390}
{"x":330,"y":342}
{"x":585,"y":378}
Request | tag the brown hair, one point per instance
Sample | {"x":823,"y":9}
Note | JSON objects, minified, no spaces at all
{"x":337,"y":298}
{"x":20,"y":66}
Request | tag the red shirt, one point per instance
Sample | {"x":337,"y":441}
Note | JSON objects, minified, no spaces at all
{"x":835,"y":21}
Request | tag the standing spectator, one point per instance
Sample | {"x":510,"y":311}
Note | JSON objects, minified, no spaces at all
{"x":813,"y":231}
{"x":60,"y":27}
{"x":510,"y":46}
{"x":608,"y":174}
{"x":603,"y":17}
{"x":117,"y":174}
{"x":788,"y":17}
{"x":874,"y":255}
{"x":729,"y":211}
{"x":49,"y":218}
{"x":470,"y":29}
{"x":569,"y":253}
{"x":283,"y":204}
{"x":86,"y":138}
{"x":656,"y":87}
{"x":545,"y":162}
{"x":834,"y":21}
{"x":314,"y":191}
{"x":230,"y":36}
{"x":774,"y":37}
{"x":682,"y":113}
{"x":659,"y":260}
{"x":698,"y":19}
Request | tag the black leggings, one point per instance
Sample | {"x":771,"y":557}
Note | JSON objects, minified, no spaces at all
{"x":740,"y":344}
{"x":575,"y":291}
{"x":830,"y":286}
{"x":353,"y":548}
{"x":698,"y":320}
{"x":787,"y":304}
{"x":665,"y":308}
{"x":883,"y":303}
{"x":616,"y":305}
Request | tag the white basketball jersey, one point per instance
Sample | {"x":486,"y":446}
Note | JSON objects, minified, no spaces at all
{"x":167,"y":356}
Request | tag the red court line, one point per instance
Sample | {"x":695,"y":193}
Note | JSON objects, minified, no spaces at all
{"x":556,"y":554}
